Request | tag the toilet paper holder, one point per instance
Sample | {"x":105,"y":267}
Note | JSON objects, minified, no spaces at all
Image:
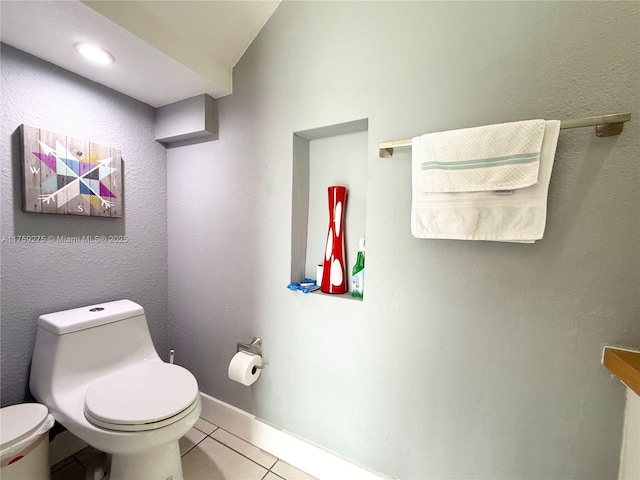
{"x":256,"y":344}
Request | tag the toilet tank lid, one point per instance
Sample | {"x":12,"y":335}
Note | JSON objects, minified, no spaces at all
{"x":82,"y":318}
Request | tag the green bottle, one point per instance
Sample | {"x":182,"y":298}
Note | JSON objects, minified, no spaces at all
{"x":357,"y":279}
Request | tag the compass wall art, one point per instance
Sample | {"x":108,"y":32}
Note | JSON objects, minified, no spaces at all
{"x":68,"y":176}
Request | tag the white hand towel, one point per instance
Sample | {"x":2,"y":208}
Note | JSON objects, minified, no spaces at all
{"x":483,"y":215}
{"x":505,"y":156}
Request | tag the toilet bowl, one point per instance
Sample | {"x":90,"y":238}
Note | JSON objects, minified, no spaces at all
{"x":97,"y":371}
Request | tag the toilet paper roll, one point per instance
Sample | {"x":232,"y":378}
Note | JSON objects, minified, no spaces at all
{"x":243,"y":367}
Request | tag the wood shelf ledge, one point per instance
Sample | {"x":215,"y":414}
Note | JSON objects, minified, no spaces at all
{"x":624,"y":364}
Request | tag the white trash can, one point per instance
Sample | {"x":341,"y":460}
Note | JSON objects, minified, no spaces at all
{"x":24,"y":442}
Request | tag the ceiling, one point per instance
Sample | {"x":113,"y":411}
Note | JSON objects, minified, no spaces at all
{"x":164,"y":51}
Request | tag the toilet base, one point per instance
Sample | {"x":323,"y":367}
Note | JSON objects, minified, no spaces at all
{"x":160,"y":463}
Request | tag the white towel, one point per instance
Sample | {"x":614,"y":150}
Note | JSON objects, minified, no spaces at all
{"x":492,"y":157}
{"x":472,"y":211}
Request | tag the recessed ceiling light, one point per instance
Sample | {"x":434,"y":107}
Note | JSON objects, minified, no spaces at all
{"x":94,"y":54}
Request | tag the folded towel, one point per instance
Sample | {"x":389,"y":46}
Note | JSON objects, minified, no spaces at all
{"x":493,"y":157}
{"x":472,"y":211}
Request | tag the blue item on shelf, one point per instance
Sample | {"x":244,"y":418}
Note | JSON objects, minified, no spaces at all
{"x":305,"y":286}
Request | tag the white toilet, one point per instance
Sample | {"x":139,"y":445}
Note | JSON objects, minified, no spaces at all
{"x":97,"y":371}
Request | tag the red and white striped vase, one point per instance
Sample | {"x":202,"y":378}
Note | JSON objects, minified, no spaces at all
{"x":334,"y":274}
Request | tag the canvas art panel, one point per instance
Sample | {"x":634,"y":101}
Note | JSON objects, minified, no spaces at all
{"x":69,"y":176}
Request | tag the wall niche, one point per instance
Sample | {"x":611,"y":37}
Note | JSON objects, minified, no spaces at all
{"x":325,"y":156}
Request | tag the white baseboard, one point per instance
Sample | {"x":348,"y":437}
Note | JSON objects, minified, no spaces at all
{"x":300,"y":453}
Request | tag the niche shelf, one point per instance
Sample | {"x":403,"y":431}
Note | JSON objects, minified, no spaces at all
{"x":624,"y":364}
{"x":325,"y":156}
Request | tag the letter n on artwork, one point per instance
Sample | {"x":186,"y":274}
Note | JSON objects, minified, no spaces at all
{"x":65,"y":175}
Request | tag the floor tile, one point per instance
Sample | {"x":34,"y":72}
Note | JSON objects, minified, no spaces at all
{"x":211,"y":460}
{"x":90,"y":457}
{"x":190,"y":440}
{"x":289,"y":472}
{"x":204,"y":426}
{"x":62,"y":463}
{"x":219,"y":456}
{"x":272,"y":476}
{"x":71,"y":471}
{"x":245,"y":448}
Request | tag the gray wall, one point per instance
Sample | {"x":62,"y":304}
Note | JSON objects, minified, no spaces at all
{"x":48,"y":277}
{"x":465,"y":359}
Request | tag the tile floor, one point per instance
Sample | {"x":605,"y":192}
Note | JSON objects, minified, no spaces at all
{"x":208,"y":453}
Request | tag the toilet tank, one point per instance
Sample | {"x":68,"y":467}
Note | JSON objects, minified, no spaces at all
{"x":75,"y":346}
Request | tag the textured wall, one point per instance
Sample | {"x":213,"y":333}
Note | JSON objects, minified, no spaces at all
{"x":48,"y":277}
{"x":466,"y":359}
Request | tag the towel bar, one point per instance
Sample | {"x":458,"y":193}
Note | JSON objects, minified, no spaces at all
{"x":606,"y":126}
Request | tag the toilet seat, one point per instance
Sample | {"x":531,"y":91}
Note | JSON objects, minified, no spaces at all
{"x":143,"y":397}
